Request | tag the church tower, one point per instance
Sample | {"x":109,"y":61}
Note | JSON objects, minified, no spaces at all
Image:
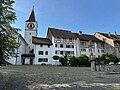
{"x":31,"y":28}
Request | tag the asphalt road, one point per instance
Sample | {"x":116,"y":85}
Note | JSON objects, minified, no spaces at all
{"x":38,"y":77}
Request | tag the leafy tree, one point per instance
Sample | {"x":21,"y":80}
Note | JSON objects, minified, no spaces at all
{"x":107,"y":58}
{"x":65,"y":59}
{"x":7,"y":32}
{"x":84,"y":60}
{"x":74,"y":61}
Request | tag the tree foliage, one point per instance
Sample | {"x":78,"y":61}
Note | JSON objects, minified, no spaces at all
{"x":8,"y":33}
{"x":107,"y":58}
{"x":83,"y":60}
{"x":64,"y":59}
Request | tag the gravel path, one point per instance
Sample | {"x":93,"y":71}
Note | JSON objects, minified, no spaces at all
{"x":38,"y":77}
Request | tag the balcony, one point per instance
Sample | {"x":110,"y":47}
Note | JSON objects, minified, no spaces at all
{"x":64,"y":41}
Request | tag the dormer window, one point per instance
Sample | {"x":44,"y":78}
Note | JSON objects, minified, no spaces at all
{"x":63,"y":38}
{"x":58,"y":37}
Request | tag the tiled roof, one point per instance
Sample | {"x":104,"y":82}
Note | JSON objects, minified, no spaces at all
{"x":112,"y":36}
{"x":87,"y":37}
{"x":61,"y":33}
{"x":69,"y":34}
{"x":32,"y":17}
{"x":43,"y":41}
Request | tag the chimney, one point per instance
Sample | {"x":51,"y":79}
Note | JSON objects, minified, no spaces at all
{"x":80,"y":32}
{"x":115,"y":33}
{"x":109,"y":34}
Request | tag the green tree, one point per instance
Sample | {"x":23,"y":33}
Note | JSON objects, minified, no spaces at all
{"x":106,"y":59}
{"x":64,"y":59}
{"x":74,"y":61}
{"x":84,"y":61}
{"x":8,"y":33}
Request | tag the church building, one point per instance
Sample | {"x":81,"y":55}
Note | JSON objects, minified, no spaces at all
{"x":39,"y":50}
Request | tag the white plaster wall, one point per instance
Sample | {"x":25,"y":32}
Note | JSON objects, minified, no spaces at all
{"x":21,"y":50}
{"x":37,"y":48}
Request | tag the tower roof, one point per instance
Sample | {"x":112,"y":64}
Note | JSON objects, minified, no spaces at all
{"x":32,"y":17}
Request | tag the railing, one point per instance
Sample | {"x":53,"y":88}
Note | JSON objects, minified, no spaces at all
{"x":64,"y":41}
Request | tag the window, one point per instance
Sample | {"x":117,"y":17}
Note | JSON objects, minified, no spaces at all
{"x":102,"y":51}
{"x":48,"y":46}
{"x":98,"y":50}
{"x":58,"y":37}
{"x":83,"y":49}
{"x":46,"y":52}
{"x":61,"y":45}
{"x":68,"y":52}
{"x":40,"y":52}
{"x":56,"y":52}
{"x":30,"y":33}
{"x":41,"y":45}
{"x":72,"y":46}
{"x":63,"y":38}
{"x":83,"y":43}
{"x":70,"y":39}
{"x":67,"y":46}
{"x":104,"y":39}
{"x":61,"y":52}
{"x":99,"y":36}
{"x":43,"y":60}
{"x":55,"y":45}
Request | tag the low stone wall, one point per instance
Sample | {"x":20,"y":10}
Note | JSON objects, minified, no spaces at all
{"x":108,"y":68}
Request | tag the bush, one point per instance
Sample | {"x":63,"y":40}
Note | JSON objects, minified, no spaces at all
{"x":106,"y":59}
{"x":64,"y":59}
{"x":74,"y":61}
{"x":84,"y":61}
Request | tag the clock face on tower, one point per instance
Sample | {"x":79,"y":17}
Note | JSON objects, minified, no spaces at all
{"x":30,"y":25}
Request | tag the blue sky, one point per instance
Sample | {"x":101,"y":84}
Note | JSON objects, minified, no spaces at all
{"x":88,"y":16}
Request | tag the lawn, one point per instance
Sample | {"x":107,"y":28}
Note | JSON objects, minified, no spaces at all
{"x":36,"y":77}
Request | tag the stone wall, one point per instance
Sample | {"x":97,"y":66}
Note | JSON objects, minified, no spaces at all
{"x":108,"y":68}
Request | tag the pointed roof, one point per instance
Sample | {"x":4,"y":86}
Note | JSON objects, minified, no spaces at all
{"x":32,"y":16}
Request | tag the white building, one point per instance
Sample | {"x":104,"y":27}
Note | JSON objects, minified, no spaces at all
{"x":19,"y":51}
{"x":38,"y":50}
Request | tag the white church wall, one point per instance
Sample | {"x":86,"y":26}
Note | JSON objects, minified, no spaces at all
{"x":43,"y":49}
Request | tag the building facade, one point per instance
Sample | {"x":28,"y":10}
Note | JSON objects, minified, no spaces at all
{"x":112,"y":42}
{"x":39,"y":50}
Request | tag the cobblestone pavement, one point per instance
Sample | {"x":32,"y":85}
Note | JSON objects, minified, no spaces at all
{"x":38,"y":77}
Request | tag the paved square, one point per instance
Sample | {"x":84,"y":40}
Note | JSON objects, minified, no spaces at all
{"x":38,"y":77}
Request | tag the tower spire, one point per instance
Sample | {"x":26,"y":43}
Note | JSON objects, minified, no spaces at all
{"x":32,"y":16}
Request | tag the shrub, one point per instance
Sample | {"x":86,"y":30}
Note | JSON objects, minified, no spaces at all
{"x":84,"y":61}
{"x":64,"y":59}
{"x":106,"y":59}
{"x":74,"y":61}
